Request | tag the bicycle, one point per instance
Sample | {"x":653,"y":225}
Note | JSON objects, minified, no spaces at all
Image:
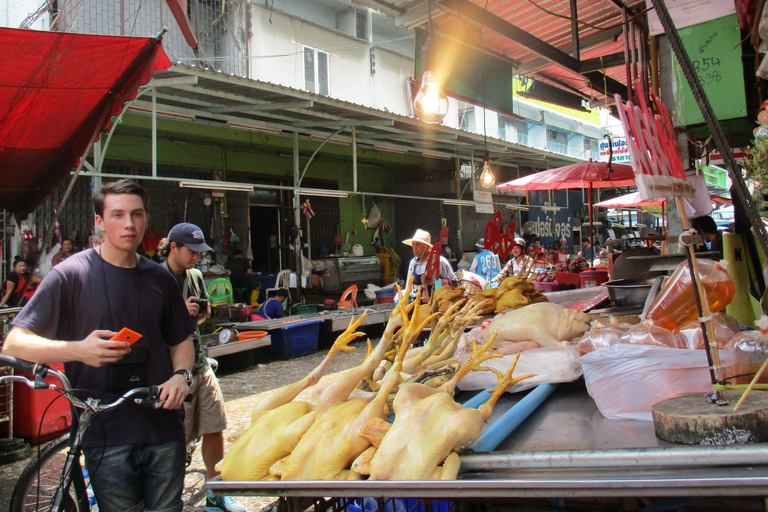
{"x":43,"y":485}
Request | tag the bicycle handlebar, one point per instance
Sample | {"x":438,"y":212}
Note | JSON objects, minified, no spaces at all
{"x":149,"y":398}
{"x":21,"y":364}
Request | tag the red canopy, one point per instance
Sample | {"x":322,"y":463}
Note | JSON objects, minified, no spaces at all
{"x":57,"y":92}
{"x":579,"y":175}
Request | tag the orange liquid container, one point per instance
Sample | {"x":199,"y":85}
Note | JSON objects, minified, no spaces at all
{"x":676,"y":304}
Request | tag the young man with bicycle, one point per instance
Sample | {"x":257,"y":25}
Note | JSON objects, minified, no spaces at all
{"x":204,"y":415}
{"x":135,"y":455}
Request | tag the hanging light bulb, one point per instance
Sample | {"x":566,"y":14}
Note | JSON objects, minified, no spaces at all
{"x":487,"y":178}
{"x":430,"y":104}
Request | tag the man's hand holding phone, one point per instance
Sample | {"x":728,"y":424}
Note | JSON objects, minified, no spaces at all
{"x":103,"y":347}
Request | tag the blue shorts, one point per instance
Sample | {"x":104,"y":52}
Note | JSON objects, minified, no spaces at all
{"x":137,"y":477}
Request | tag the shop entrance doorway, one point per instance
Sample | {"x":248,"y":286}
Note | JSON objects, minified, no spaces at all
{"x":265,"y":238}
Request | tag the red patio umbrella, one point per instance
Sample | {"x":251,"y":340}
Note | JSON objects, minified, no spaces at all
{"x":587,"y":175}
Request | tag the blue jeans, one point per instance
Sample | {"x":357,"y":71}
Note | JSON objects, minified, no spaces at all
{"x":137,"y":477}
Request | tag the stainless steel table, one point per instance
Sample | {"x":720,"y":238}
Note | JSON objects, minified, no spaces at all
{"x":564,"y":449}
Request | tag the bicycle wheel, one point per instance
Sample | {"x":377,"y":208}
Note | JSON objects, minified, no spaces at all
{"x":38,"y":482}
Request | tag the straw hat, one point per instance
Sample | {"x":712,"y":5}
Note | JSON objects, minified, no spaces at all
{"x":419,"y":236}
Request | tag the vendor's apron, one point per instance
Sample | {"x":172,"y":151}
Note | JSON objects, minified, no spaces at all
{"x":419,"y":288}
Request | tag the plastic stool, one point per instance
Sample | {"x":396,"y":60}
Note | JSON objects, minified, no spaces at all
{"x":241,"y":296}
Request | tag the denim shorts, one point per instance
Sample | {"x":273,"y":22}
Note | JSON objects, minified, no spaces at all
{"x":132,"y":478}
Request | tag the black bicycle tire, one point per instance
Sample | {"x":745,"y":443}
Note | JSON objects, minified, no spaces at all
{"x":79,"y":501}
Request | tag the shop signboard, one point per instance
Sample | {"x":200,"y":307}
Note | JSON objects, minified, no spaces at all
{"x":715,"y":51}
{"x":483,"y":202}
{"x":620,"y":151}
{"x":555,"y":220}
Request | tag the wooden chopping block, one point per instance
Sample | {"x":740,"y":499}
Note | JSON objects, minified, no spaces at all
{"x":689,"y":419}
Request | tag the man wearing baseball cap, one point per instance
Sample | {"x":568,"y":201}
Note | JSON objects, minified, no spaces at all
{"x":204,"y":415}
{"x":421,"y":243}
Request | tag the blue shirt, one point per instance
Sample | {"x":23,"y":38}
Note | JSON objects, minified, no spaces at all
{"x":272,"y":308}
{"x":486,"y":264}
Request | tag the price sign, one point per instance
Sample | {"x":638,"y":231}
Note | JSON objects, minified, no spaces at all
{"x":715,"y":50}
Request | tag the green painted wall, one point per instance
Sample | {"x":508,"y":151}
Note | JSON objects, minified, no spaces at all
{"x":199,"y":146}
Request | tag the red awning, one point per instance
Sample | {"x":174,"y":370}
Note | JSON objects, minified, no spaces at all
{"x":57,"y":92}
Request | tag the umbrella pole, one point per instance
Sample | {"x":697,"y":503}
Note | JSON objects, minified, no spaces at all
{"x":591,"y":224}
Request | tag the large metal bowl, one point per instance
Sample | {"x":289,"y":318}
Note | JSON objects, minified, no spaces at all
{"x":629,"y":292}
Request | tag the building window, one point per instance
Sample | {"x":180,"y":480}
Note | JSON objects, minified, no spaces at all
{"x":466,"y":117}
{"x":591,"y":148}
{"x":361,"y":24}
{"x":502,"y":127}
{"x":557,"y":141}
{"x":316,"y":71}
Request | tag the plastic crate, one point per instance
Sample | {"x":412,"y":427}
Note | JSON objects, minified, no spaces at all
{"x":567,"y":277}
{"x":28,"y":419}
{"x":552,"y":286}
{"x":295,"y":340}
{"x":303,"y":309}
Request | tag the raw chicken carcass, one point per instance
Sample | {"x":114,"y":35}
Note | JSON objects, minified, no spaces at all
{"x":277,"y":424}
{"x":545,"y":323}
{"x":429,"y":428}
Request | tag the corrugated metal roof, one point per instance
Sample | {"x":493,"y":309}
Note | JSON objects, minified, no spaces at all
{"x":215,"y":98}
{"x":599,"y":33}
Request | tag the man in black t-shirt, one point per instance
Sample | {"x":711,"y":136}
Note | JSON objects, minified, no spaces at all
{"x":135,"y":456}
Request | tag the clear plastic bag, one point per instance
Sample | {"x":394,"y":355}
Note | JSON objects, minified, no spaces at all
{"x":726,"y":327}
{"x":675,"y":305}
{"x":647,"y":334}
{"x":627,"y":380}
{"x":751,"y":350}
{"x":601,"y":336}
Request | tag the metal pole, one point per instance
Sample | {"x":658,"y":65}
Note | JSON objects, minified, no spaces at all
{"x":154,"y":132}
{"x":296,"y":207}
{"x":354,"y":159}
{"x":704,"y":456}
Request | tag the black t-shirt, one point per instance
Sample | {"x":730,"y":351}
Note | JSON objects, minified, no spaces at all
{"x":85,"y":293}
{"x":238,"y":268}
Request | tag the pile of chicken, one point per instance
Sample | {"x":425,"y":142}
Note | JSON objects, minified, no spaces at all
{"x":345,"y":435}
{"x":512,"y":293}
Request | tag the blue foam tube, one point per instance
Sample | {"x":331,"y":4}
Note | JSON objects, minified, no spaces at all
{"x":479,"y":399}
{"x":498,"y":431}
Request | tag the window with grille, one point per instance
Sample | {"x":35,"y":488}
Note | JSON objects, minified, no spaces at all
{"x":316,"y":71}
{"x":557,"y":141}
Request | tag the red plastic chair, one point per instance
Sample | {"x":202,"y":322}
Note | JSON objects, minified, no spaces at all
{"x":348,"y":298}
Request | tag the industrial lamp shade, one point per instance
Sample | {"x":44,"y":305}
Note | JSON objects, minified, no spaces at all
{"x":431,"y":103}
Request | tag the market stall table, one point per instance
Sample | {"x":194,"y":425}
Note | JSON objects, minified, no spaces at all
{"x":564,"y":449}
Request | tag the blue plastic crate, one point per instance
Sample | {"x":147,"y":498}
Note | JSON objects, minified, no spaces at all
{"x":295,"y":340}
{"x":397,"y":505}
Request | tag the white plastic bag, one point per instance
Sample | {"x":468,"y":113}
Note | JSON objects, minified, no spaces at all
{"x":549,"y":364}
{"x":625,"y":380}
{"x":374,"y":217}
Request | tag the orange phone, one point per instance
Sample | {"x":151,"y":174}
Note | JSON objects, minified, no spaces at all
{"x":125,"y":334}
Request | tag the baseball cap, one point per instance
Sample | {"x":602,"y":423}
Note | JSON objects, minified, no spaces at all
{"x":189,"y":235}
{"x":480,"y":243}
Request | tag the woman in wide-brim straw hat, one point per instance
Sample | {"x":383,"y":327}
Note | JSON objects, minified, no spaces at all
{"x":421,"y":242}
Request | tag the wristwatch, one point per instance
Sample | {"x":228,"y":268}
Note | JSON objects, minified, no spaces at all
{"x":187,"y":375}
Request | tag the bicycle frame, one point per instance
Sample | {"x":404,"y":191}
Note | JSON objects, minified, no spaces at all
{"x":89,"y":407}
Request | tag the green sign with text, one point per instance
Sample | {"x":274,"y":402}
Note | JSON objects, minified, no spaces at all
{"x":714,"y":48}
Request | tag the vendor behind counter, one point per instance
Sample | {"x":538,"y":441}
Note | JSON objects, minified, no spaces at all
{"x":423,"y":285}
